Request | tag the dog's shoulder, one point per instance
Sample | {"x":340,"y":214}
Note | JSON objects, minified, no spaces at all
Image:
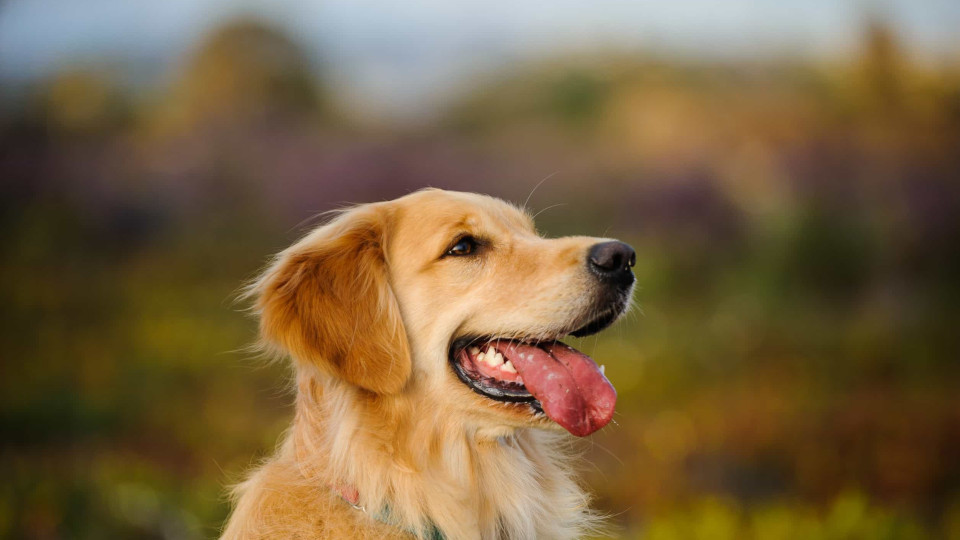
{"x":277,"y":502}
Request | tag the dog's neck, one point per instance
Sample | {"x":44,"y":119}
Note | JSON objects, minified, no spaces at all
{"x":433,"y":474}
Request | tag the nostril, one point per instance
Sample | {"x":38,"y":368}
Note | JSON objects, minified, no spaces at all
{"x":612,"y":258}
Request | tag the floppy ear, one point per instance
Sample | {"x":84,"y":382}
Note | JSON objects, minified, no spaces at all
{"x":327,"y":300}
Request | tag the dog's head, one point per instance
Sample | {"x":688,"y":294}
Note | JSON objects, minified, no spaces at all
{"x":452,"y":299}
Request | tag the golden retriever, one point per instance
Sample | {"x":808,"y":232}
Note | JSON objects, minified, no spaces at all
{"x":433,"y":395}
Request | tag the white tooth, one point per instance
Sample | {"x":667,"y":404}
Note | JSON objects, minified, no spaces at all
{"x":603,"y":368}
{"x":508,"y":367}
{"x":497,"y":359}
{"x":480,"y":357}
{"x":491,"y":351}
{"x":474,"y":351}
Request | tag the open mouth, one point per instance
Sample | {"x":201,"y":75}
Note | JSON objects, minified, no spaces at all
{"x":552,"y":377}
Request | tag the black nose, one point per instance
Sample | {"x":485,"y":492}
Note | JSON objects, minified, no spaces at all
{"x":611,"y":261}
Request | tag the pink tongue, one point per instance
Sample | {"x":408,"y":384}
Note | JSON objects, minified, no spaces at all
{"x":568,"y":384}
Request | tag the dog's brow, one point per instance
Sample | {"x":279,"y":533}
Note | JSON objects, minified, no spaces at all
{"x":468,"y":221}
{"x":466,"y":224}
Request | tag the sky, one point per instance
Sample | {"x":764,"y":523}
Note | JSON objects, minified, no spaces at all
{"x":407,"y":55}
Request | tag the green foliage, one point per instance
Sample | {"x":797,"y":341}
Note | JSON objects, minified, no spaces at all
{"x":849,"y":517}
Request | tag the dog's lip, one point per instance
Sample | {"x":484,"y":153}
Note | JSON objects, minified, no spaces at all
{"x":510,"y":394}
{"x":599,"y":323}
{"x":553,"y":378}
{"x":518,"y":394}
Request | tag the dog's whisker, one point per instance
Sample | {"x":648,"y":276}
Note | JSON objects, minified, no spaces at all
{"x":548,"y":208}
{"x":532,"y":191}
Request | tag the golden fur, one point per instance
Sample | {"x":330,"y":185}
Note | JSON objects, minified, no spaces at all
{"x":367,"y":306}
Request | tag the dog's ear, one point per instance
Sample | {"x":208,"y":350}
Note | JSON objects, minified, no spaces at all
{"x":327,"y":300}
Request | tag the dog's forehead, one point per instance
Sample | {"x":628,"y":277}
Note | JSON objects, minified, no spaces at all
{"x":440,"y":212}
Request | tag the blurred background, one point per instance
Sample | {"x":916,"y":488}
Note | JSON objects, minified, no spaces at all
{"x":788,"y":171}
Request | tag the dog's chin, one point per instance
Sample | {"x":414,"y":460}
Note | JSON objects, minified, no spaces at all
{"x":539,"y":374}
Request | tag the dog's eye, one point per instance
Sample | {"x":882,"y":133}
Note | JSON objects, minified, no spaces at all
{"x":465,"y":246}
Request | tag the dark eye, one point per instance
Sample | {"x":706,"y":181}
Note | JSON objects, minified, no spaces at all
{"x":465,"y":246}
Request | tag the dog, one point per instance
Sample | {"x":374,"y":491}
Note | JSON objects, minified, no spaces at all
{"x":434,"y":398}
